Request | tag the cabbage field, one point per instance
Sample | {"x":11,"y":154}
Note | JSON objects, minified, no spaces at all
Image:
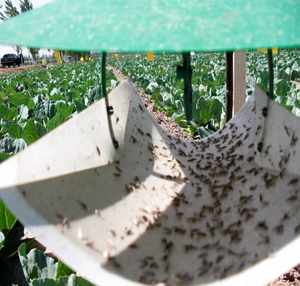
{"x":35,"y":102}
{"x":158,"y":79}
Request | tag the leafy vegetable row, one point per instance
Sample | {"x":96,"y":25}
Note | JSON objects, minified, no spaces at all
{"x":34,"y":103}
{"x":158,"y":79}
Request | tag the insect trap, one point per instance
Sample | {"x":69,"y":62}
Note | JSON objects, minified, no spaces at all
{"x":121,"y":201}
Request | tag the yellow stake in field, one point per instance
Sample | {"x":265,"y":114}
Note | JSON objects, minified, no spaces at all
{"x":150,"y":56}
{"x":58,"y":57}
{"x":274,"y":51}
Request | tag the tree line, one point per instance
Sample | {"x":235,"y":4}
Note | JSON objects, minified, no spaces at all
{"x":10,"y":11}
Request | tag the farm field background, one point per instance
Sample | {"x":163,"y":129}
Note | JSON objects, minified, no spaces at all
{"x":32,"y":103}
{"x":35,"y":102}
{"x":158,"y":79}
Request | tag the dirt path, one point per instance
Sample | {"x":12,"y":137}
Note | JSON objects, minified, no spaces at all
{"x":165,"y":122}
{"x":7,"y":70}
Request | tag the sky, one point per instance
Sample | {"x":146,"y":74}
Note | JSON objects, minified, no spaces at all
{"x":36,"y":3}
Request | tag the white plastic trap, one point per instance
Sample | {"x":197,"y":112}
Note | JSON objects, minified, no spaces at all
{"x":159,"y":209}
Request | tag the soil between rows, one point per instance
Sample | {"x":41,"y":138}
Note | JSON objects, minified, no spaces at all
{"x":7,"y":70}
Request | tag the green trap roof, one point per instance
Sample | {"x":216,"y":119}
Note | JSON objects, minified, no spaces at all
{"x":156,"y":25}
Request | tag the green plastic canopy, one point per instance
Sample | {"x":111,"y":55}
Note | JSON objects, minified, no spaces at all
{"x":156,"y":25}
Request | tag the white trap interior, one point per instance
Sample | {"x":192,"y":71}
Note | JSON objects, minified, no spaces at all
{"x":158,"y":209}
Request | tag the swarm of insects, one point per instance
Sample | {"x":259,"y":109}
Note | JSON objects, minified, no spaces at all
{"x":171,"y":212}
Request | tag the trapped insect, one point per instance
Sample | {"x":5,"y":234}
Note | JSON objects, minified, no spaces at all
{"x":83,"y":205}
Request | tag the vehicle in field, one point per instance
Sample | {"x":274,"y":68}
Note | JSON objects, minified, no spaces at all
{"x":10,"y":60}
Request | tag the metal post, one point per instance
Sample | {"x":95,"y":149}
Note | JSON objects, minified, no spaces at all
{"x":103,"y":74}
{"x":109,"y":109}
{"x":188,"y":92}
{"x":229,"y":85}
{"x":271,"y":74}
